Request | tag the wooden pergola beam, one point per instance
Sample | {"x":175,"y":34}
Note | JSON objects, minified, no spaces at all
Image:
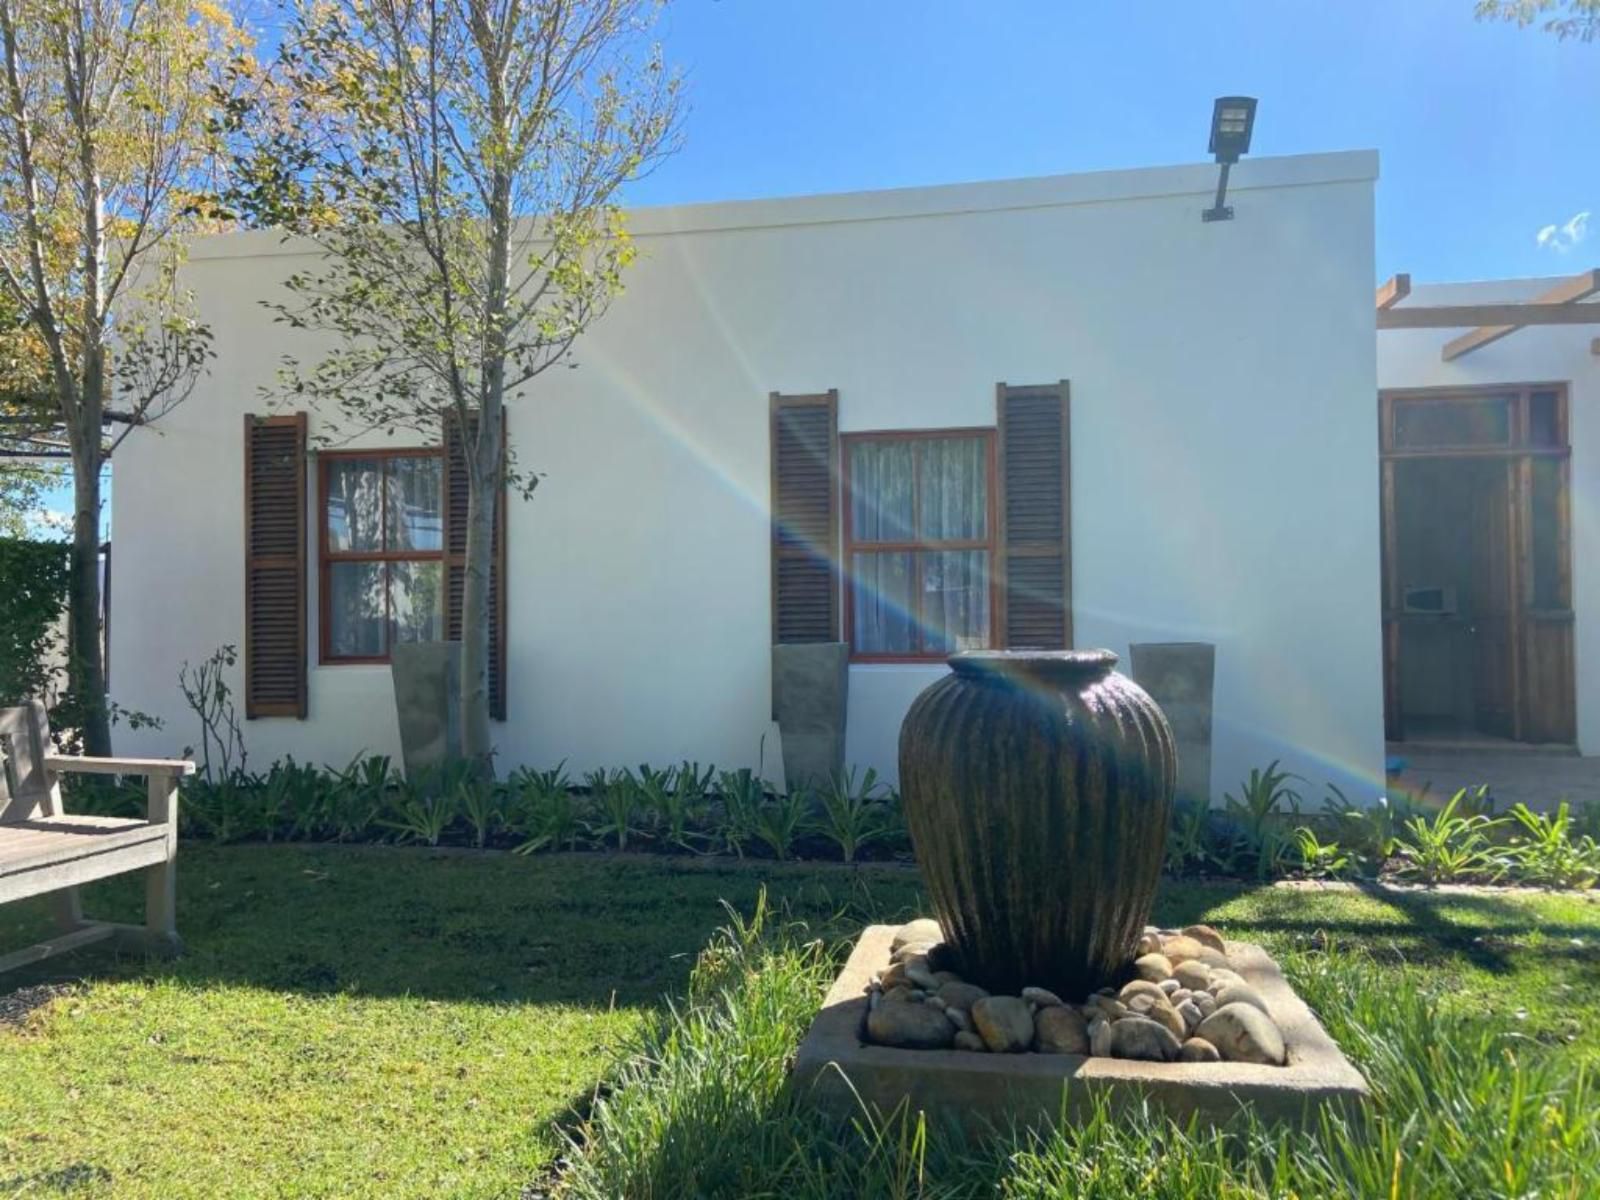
{"x":1395,"y":290}
{"x":1567,"y":292}
{"x":1467,"y":316}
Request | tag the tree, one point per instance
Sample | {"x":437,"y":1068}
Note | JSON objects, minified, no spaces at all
{"x":458,"y":162}
{"x":107,"y":143}
{"x":1577,"y":19}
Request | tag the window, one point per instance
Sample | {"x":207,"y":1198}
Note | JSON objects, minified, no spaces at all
{"x":919,"y":542}
{"x":383,"y":577}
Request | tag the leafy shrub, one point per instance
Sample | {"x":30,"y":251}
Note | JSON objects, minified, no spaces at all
{"x":1451,"y":846}
{"x":1372,"y":833}
{"x":1319,"y":859}
{"x":1546,"y":851}
{"x":616,"y":800}
{"x":1263,"y":799}
{"x":853,"y":816}
{"x":31,"y":603}
{"x":741,"y":794}
{"x":545,"y":812}
{"x":780,"y":820}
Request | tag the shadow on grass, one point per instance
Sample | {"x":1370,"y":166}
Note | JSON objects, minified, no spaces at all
{"x":494,"y":929}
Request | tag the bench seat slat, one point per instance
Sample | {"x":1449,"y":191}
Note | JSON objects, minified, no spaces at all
{"x":46,"y":853}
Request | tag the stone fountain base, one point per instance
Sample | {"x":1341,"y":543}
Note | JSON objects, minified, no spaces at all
{"x":841,"y":1069}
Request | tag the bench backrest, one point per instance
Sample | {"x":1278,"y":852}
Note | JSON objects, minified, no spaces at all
{"x":27,"y":788}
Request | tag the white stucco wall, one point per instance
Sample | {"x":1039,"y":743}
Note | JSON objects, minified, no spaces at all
{"x":1410,"y":358}
{"x":1224,"y":466}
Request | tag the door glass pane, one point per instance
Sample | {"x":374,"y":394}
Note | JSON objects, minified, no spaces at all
{"x":881,"y":486}
{"x":1544,"y":420}
{"x":955,"y":601}
{"x":1549,"y":584}
{"x":883,"y":615}
{"x":954,"y":489}
{"x":416,"y":602}
{"x":356,"y":609}
{"x":1474,"y":421}
{"x":355,"y":504}
{"x":416,"y":506}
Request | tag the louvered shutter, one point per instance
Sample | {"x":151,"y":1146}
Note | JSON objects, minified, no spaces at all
{"x":455,"y":563}
{"x":275,"y":566}
{"x":805,"y":518}
{"x":1035,"y":517}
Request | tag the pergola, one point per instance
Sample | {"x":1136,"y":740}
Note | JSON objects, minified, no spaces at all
{"x":1560,"y":305}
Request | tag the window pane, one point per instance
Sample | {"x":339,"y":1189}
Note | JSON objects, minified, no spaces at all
{"x":416,"y":602}
{"x":355,"y":497}
{"x":416,"y":506}
{"x":355,"y":609}
{"x":1481,"y":421}
{"x":955,"y":601}
{"x":954,"y":489}
{"x":1549,"y":584}
{"x":881,"y":481}
{"x":1544,"y":419}
{"x":883,"y":614}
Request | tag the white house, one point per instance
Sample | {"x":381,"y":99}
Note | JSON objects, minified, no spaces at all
{"x":1220,"y":478}
{"x":1491,"y":517}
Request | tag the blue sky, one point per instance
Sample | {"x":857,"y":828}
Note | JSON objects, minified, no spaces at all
{"x":1488,"y":133}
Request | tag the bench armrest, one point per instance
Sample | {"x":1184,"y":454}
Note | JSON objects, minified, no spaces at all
{"x":118,"y":766}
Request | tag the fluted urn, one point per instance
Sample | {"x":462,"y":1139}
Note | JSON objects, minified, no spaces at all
{"x":1038,"y":786}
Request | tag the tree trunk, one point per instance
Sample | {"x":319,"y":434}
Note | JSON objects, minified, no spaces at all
{"x":86,"y":675}
{"x":481,"y":496}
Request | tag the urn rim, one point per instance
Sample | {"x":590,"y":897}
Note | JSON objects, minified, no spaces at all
{"x":1033,"y":664}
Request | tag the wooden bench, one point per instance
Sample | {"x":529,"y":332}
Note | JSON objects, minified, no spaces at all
{"x":46,"y":851}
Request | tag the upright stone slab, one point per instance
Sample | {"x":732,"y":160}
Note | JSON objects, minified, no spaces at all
{"x":1180,"y":676}
{"x":810,"y":695}
{"x":427,"y":700}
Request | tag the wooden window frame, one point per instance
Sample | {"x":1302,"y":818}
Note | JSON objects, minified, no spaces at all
{"x":327,"y":557}
{"x":850,"y":546}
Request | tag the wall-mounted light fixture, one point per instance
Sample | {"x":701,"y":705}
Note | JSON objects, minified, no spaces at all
{"x":1232,"y":120}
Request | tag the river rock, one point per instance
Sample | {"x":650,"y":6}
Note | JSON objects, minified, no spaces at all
{"x":1060,"y":1030}
{"x":965,"y":1039}
{"x":1100,"y":1037}
{"x":1206,"y":936}
{"x":1240,"y":993}
{"x":960,"y":1018}
{"x":1004,"y":1023}
{"x":1194,"y":975}
{"x":920,"y":973}
{"x":1198,"y":1050}
{"x":909,"y":1025}
{"x":1181,"y":949}
{"x":1206,"y":1003}
{"x":1243,"y":1033}
{"x":1139,"y":987}
{"x":1142,"y":1038}
{"x":1162,"y":1012}
{"x":1043,"y":997}
{"x":1153,"y":967}
{"x":961,"y":995}
{"x":1191,"y":1014}
{"x":923,"y":931}
{"x":1149,"y":943}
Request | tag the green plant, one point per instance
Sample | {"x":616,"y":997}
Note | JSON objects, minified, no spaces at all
{"x":483,"y":803}
{"x":30,"y":608}
{"x":1372,"y":832}
{"x":780,"y":820}
{"x":1547,"y":851}
{"x":853,"y":815}
{"x":1451,"y":846}
{"x":616,"y":797}
{"x":291,"y":799}
{"x":1263,"y":798}
{"x":1187,"y":837}
{"x":357,"y":795}
{"x":545,"y":813}
{"x":427,"y":802}
{"x":741,"y":794}
{"x":1319,"y":859}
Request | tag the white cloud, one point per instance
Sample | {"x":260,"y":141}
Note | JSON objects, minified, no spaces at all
{"x":1562,"y":238}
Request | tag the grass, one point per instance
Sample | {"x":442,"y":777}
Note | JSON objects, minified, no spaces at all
{"x":383,"y":1022}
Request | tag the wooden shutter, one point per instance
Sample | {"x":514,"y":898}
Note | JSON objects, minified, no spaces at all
{"x":805,"y":517}
{"x":1035,"y":567}
{"x":455,"y":562}
{"x":275,"y":566}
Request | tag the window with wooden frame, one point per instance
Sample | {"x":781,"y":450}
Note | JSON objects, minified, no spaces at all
{"x":919,"y":543}
{"x":382,"y":569}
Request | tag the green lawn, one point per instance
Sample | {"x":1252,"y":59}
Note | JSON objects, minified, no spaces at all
{"x":379,"y":1022}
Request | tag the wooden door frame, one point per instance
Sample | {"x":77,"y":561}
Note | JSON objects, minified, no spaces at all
{"x":1520,"y":453}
